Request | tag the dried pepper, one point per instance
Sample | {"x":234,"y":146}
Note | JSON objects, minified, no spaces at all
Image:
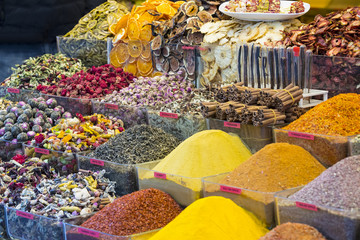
{"x":338,"y":116}
{"x":81,"y":133}
{"x":45,"y":69}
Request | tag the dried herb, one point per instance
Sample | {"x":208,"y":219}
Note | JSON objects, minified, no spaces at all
{"x":46,"y":69}
{"x":137,"y":212}
{"x":139,"y":144}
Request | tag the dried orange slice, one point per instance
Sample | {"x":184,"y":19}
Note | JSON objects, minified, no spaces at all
{"x":146,"y":33}
{"x":148,"y":74}
{"x":135,"y":48}
{"x":146,"y":18}
{"x":144,"y":66}
{"x":113,"y":59}
{"x":131,"y":68}
{"x":133,"y":29}
{"x":132,"y":59}
{"x":122,"y":52}
{"x":146,"y":52}
{"x":166,"y":8}
{"x":112,"y":29}
{"x":155,"y":74}
{"x":119,"y":36}
{"x":122,"y":23}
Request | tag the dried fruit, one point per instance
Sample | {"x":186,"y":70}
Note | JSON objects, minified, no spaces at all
{"x":144,"y":66}
{"x":121,"y":52}
{"x":135,"y":48}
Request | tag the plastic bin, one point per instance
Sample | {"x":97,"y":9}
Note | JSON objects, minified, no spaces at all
{"x":262,"y":204}
{"x":130,"y":115}
{"x":72,"y":105}
{"x":334,"y":224}
{"x":8,"y":149}
{"x":16,"y":94}
{"x":74,"y":232}
{"x":171,"y":58}
{"x":255,"y":137}
{"x":327,"y":149}
{"x":354,"y":145}
{"x":92,"y":52}
{"x":183,"y":190}
{"x":181,"y":126}
{"x":64,"y":163}
{"x":336,"y":74}
{"x":217,"y":70}
{"x":25,"y":225}
{"x":3,"y":229}
{"x":123,"y":174}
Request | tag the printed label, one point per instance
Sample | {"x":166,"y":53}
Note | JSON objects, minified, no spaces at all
{"x":188,"y":47}
{"x":160,"y":175}
{"x":42,"y":151}
{"x":230,"y":189}
{"x":13,"y":90}
{"x":306,"y":206}
{"x":202,"y":49}
{"x":111,"y":106}
{"x":168,"y":115}
{"x":97,"y":162}
{"x":24,"y":215}
{"x":88,"y":232}
{"x":296,"y":51}
{"x":232,"y":124}
{"x":301,"y":135}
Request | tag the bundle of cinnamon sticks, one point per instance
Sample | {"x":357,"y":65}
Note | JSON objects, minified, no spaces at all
{"x":257,"y":106}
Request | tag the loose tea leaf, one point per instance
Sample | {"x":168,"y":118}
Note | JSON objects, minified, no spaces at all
{"x":45,"y":69}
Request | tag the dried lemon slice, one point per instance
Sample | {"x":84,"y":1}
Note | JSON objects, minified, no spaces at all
{"x":131,"y":68}
{"x":144,"y":66}
{"x":133,"y":29}
{"x":135,"y":48}
{"x":146,"y":33}
{"x":122,"y":52}
{"x":146,"y":53}
{"x":113,"y":59}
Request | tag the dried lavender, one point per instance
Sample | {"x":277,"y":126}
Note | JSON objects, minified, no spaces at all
{"x":42,"y":70}
{"x":337,"y":187}
{"x":139,"y":144}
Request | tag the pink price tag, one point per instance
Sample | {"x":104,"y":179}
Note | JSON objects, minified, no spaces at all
{"x":111,"y":106}
{"x":160,"y":175}
{"x":232,"y":124}
{"x":301,"y":135}
{"x":42,"y":151}
{"x":13,"y":90}
{"x":97,"y":162}
{"x":88,"y":232}
{"x":230,"y":189}
{"x":24,"y":215}
{"x":188,"y":47}
{"x":306,"y":206}
{"x":202,"y":49}
{"x":168,"y":115}
{"x":296,"y":51}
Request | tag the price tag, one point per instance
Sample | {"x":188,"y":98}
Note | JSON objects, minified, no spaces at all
{"x":230,"y":189}
{"x":24,"y":215}
{"x":97,"y":162}
{"x":301,"y":135}
{"x":307,"y":206}
{"x":160,"y":175}
{"x":296,"y":51}
{"x":202,"y":49}
{"x":232,"y":124}
{"x":168,"y":115}
{"x":188,"y":47}
{"x":42,"y":151}
{"x":13,"y":90}
{"x":111,"y":106}
{"x":88,"y":232}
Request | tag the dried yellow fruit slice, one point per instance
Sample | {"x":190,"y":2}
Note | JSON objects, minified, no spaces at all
{"x":146,"y":18}
{"x":166,"y":8}
{"x":131,"y":68}
{"x":133,"y":29}
{"x":132,"y":59}
{"x":122,"y":23}
{"x":144,"y":66}
{"x":135,"y":48}
{"x":119,"y":36}
{"x":122,"y":52}
{"x":146,"y":33}
{"x":113,"y":58}
{"x":146,"y":53}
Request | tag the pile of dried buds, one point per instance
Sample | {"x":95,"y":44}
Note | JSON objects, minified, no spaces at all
{"x":337,"y":34}
{"x":93,"y":83}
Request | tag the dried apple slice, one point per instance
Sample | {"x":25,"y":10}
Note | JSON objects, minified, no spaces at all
{"x":135,"y":48}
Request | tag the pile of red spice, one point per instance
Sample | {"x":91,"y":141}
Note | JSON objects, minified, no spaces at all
{"x":96,"y":82}
{"x":138,"y":212}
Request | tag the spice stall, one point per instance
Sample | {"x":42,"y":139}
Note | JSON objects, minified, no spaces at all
{"x":186,"y":120}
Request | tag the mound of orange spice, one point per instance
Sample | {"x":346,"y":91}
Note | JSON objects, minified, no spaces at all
{"x":338,"y":116}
